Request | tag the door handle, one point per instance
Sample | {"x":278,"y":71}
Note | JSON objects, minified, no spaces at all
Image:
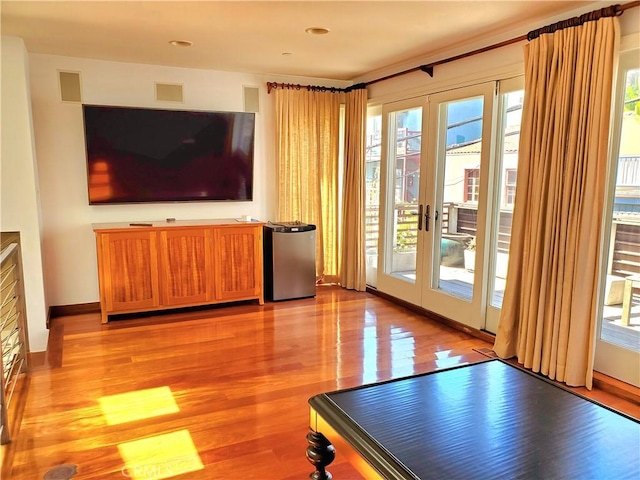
{"x":436,"y":219}
{"x":427,"y":217}
{"x":420,"y":217}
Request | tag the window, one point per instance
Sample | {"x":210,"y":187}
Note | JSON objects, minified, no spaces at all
{"x":471,"y":184}
{"x":511,"y":101}
{"x":372,"y":191}
{"x":510,"y":186}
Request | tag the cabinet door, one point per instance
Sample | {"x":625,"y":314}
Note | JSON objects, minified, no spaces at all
{"x":129,"y":270}
{"x":238,"y":262}
{"x":186,"y":274}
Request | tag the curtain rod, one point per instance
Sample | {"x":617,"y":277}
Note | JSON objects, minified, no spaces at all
{"x":613,"y":10}
{"x":428,"y":68}
{"x":313,"y":88}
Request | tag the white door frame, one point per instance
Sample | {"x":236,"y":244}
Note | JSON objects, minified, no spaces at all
{"x":611,"y":359}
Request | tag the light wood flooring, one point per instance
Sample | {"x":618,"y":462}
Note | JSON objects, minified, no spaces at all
{"x":218,"y":393}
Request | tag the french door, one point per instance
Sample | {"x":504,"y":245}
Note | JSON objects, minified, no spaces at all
{"x":435,"y":198}
{"x":401,"y":244}
{"x":456,"y":203}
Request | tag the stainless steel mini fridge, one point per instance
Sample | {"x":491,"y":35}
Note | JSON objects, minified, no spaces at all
{"x":289,"y":260}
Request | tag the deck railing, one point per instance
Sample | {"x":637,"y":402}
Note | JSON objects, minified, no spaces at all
{"x":462,"y":219}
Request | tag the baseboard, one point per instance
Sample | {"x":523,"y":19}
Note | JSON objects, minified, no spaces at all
{"x":481,"y":334}
{"x":37,"y":359}
{"x":77,"y":309}
{"x":616,"y":387}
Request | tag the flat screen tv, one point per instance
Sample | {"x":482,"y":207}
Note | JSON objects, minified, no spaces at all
{"x":137,"y":155}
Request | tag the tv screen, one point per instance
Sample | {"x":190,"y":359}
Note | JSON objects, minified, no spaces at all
{"x":146,"y":155}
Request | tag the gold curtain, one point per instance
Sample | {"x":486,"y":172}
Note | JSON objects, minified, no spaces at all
{"x":352,"y":265}
{"x":307,"y":132}
{"x":549,"y":309}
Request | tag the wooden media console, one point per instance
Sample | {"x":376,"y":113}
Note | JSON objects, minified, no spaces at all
{"x":162,"y":265}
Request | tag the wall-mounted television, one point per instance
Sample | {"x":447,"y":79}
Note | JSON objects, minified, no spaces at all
{"x":137,"y":155}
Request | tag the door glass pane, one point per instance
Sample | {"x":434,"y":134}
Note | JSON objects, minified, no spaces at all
{"x":621,"y":309}
{"x":460,"y":191}
{"x":372,"y":192}
{"x":405,"y":139}
{"x":511,"y":117}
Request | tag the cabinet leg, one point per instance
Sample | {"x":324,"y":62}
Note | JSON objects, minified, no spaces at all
{"x":320,"y":453}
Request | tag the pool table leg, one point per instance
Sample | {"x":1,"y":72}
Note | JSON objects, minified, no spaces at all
{"x":320,"y":453}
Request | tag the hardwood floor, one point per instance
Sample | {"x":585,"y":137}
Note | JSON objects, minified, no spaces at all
{"x":219,"y":393}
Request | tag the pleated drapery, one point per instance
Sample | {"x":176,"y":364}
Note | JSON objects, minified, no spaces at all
{"x":307,"y":148}
{"x":308,"y":144}
{"x":549,"y":308}
{"x":352,"y":265}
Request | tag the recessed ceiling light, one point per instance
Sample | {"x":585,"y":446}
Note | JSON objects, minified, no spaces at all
{"x":181,"y":43}
{"x":317,"y":30}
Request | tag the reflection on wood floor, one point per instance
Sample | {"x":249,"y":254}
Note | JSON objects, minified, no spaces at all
{"x":218,"y":393}
{"x":459,"y":283}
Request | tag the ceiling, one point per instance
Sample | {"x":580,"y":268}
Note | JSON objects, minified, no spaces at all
{"x":268,"y":37}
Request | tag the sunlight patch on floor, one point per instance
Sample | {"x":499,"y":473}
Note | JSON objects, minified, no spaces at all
{"x":160,"y":456}
{"x":137,"y":405}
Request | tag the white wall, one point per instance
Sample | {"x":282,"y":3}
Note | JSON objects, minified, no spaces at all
{"x":19,"y":204}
